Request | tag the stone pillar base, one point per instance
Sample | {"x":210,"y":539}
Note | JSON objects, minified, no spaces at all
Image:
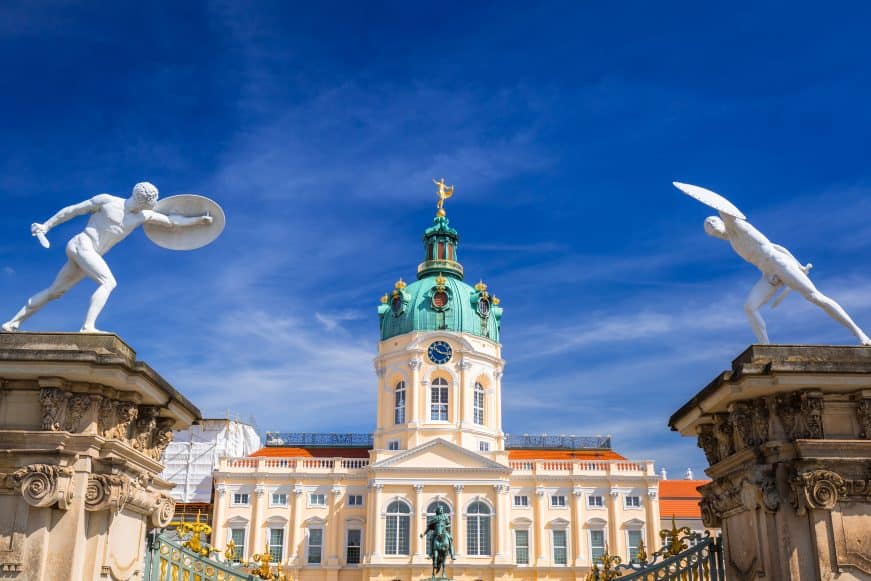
{"x":787,"y":434}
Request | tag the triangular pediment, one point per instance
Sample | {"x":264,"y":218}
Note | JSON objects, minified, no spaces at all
{"x":440,"y":455}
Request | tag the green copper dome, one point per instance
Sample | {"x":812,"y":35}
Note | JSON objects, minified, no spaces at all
{"x":439,"y":300}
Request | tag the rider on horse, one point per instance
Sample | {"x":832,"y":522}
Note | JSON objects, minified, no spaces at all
{"x":441,"y":543}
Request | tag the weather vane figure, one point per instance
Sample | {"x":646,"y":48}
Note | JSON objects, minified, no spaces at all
{"x":780,"y":269}
{"x":444,"y":193}
{"x":179,"y":223}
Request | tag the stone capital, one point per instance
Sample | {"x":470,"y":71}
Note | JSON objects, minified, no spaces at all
{"x":418,"y":487}
{"x":415,"y":363}
{"x":43,"y":485}
{"x":458,"y":488}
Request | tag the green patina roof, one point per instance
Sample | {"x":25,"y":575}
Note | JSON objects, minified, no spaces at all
{"x":412,"y":308}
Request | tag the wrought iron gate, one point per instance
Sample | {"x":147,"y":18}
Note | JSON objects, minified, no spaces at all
{"x":167,"y":560}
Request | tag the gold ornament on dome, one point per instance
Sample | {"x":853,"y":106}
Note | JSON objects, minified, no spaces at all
{"x":400,"y":285}
{"x":496,"y":300}
{"x":384,"y":299}
{"x":444,"y":193}
{"x":440,"y":281}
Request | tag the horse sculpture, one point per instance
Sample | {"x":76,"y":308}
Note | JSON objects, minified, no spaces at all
{"x":441,"y":542}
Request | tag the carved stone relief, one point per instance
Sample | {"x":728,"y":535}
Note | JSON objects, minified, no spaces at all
{"x":863,"y":414}
{"x":139,"y":426}
{"x":118,"y":491}
{"x":42,"y":485}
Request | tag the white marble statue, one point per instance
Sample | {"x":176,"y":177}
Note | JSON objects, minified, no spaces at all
{"x":780,"y":269}
{"x":112,"y":220}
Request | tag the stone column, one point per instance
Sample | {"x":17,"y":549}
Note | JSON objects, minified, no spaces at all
{"x":219,"y":534}
{"x":459,"y":522}
{"x":578,"y":537}
{"x":296,"y":536}
{"x":414,"y":393}
{"x":334,"y":528}
{"x":502,"y":524}
{"x":418,"y":513}
{"x":651,"y":512}
{"x":538,"y":527}
{"x":258,"y":525}
{"x":615,"y":547}
{"x":378,"y":524}
{"x":787,"y":434}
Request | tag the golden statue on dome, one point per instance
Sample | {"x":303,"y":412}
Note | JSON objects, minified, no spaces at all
{"x":444,"y":193}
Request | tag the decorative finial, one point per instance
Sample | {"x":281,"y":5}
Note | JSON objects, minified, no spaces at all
{"x":384,"y":299}
{"x":480,"y":287}
{"x":400,"y":284}
{"x":441,"y":281}
{"x":496,"y":300}
{"x":444,"y":193}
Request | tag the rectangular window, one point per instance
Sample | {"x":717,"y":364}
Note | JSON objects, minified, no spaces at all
{"x":352,"y":556}
{"x":315,"y":544}
{"x":279,"y":499}
{"x":484,"y":446}
{"x":399,"y":404}
{"x":521,"y":546}
{"x":595,"y":501}
{"x":276,"y":545}
{"x":355,"y":500}
{"x":393,"y":445}
{"x":633,"y":501}
{"x":478,"y":408}
{"x":558,"y":501}
{"x":238,"y":538}
{"x":240,"y":498}
{"x":633,"y":540}
{"x":597,"y":544}
{"x":521,"y":501}
{"x":559,"y":547}
{"x":317,"y":499}
{"x":439,"y":403}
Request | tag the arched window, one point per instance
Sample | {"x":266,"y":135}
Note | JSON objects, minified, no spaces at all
{"x":479,"y":404}
{"x":399,"y":404}
{"x":397,"y":530}
{"x":478,"y":529}
{"x":439,"y":399}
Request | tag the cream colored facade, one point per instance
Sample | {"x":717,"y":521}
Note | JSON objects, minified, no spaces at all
{"x":558,"y":508}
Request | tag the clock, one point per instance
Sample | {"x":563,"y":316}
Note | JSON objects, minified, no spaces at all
{"x":439,"y":352}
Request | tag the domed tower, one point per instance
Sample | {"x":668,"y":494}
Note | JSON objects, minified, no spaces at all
{"x":439,"y":360}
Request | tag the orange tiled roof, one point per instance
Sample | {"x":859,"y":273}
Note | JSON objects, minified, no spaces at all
{"x":679,"y":498}
{"x":564,"y":455}
{"x":289,"y":452}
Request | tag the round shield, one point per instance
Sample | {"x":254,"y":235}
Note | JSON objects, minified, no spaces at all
{"x":709,"y":198}
{"x":186,"y":237}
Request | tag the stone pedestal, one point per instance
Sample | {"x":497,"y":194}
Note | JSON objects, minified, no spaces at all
{"x":83,"y":426}
{"x":787,"y":434}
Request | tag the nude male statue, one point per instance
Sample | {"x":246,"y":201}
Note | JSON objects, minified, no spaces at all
{"x":779,"y":267}
{"x":112,"y":220}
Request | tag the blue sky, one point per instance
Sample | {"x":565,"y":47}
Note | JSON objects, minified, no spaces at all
{"x":319,"y":126}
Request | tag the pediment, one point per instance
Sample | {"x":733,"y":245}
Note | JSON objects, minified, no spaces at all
{"x":440,"y":455}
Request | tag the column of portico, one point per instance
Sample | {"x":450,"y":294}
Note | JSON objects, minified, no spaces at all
{"x":334,"y":528}
{"x":613,"y":526}
{"x":497,"y":391}
{"x":412,"y":405}
{"x":417,"y":515}
{"x":295,"y":536}
{"x":503,"y":525}
{"x":257,"y":540}
{"x":459,"y":523}
{"x":579,"y":540}
{"x":378,"y":528}
{"x":219,"y":538}
{"x":423,"y":412}
{"x":538,"y":526}
{"x":651,"y":510}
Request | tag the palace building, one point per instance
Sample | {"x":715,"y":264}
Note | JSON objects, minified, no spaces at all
{"x":353,"y":506}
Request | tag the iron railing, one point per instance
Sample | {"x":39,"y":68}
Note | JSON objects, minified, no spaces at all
{"x":167,"y":560}
{"x":561,"y":442}
{"x":319,"y":440}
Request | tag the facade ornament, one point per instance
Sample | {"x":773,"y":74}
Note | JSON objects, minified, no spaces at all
{"x":43,"y":485}
{"x":107,"y":492}
{"x":143,"y":429}
{"x":812,"y":413}
{"x":863,"y":414}
{"x":415,"y":363}
{"x":788,"y":411}
{"x":297,"y":490}
{"x":376,"y":485}
{"x":741,"y":421}
{"x":54,"y":403}
{"x":458,"y":488}
{"x":221,"y":490}
{"x":723,"y":434}
{"x":759,"y":418}
{"x":163,"y":512}
{"x":497,"y":373}
{"x":614,"y":492}
{"x":260,"y":489}
{"x":464,"y":365}
{"x":817,"y":489}
{"x":577,"y":491}
{"x":501,"y":488}
{"x":79,"y":404}
{"x":162,"y":438}
{"x":380,"y":370}
{"x":126,"y":413}
{"x":769,"y":494}
{"x":336,"y":490}
{"x":418,"y":487}
{"x":708,"y":443}
{"x":539,"y":491}
{"x":651,"y":493}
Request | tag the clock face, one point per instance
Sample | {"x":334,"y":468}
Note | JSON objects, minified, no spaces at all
{"x":439,"y":352}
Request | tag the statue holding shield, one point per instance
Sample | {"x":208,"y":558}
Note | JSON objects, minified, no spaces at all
{"x":178,"y":222}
